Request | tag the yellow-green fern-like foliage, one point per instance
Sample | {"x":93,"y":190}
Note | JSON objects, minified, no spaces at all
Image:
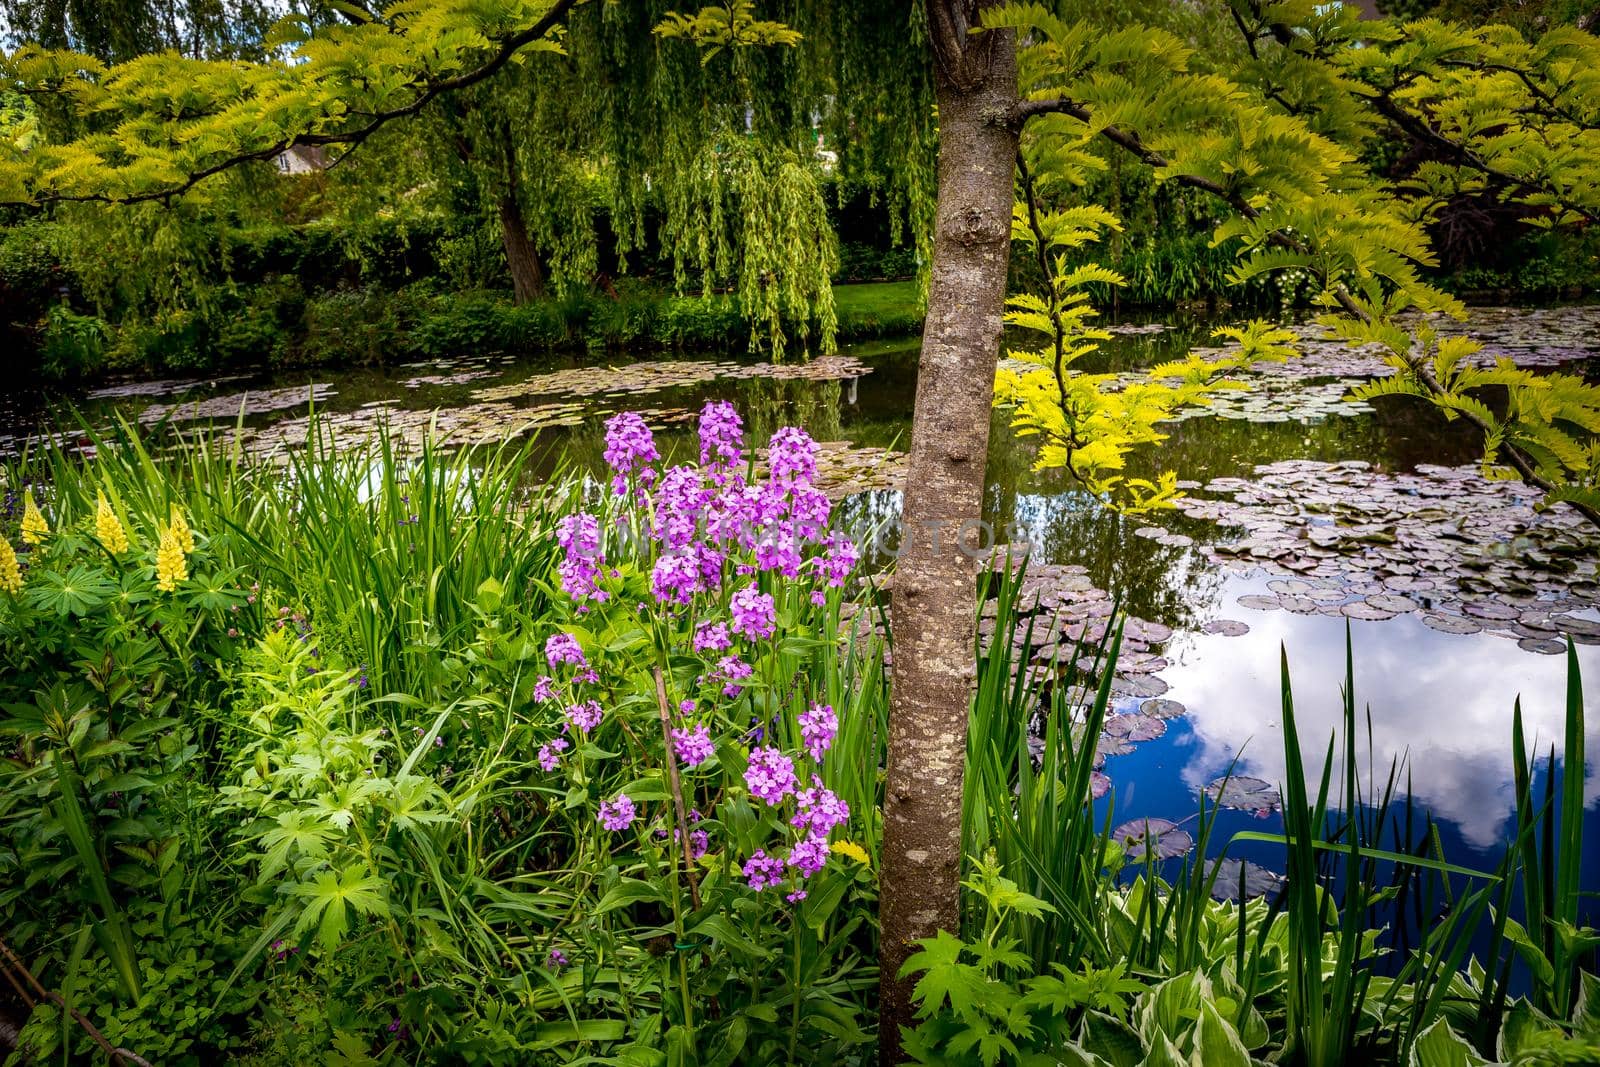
{"x":1279,"y":131}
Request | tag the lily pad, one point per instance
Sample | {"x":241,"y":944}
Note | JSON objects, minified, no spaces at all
{"x":1162,"y":708}
{"x":1135,"y":727}
{"x":1451,"y":624}
{"x":1162,"y":837}
{"x":1244,"y":793}
{"x":1225,"y":627}
{"x":1234,"y":875}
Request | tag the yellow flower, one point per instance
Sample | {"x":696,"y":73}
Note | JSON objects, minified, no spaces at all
{"x":108,"y":528}
{"x":180,"y":530}
{"x":10,"y":573}
{"x":34,"y":528}
{"x":853,"y":850}
{"x":170,"y":566}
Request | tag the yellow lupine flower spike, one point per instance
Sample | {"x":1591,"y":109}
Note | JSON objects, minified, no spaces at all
{"x":170,"y":565}
{"x":10,"y":573}
{"x":180,"y":530}
{"x":108,"y":528}
{"x":851,"y":849}
{"x":34,"y":528}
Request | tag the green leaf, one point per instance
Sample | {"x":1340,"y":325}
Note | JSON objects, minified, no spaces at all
{"x":1439,"y":1046}
{"x":1218,"y":1044}
{"x":629,"y":891}
{"x":330,"y":898}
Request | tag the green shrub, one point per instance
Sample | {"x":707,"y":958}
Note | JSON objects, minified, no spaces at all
{"x":363,"y":327}
{"x":701,"y":322}
{"x":74,"y":346}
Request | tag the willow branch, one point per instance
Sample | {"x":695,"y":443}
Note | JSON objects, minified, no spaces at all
{"x":429,"y":91}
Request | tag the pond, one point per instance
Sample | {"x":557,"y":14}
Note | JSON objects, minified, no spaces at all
{"x":1308,"y":513}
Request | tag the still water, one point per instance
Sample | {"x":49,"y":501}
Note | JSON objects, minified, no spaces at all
{"x":1457,"y":598}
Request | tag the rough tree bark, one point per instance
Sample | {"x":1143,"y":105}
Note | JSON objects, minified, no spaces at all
{"x":933,"y":611}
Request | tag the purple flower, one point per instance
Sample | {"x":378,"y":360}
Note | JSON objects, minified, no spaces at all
{"x":544,"y":689}
{"x":838,"y":560}
{"x":675,"y":578}
{"x":762,"y":870}
{"x":808,"y":509}
{"x":778,"y":552}
{"x":549,"y":754}
{"x":685,"y":707}
{"x":818,"y":810}
{"x":792,"y":457}
{"x":556,"y":958}
{"x":753,"y":613}
{"x":679,"y":502}
{"x":629,"y":447}
{"x":770,"y":775}
{"x":810,"y":855}
{"x":578,"y":574}
{"x":564,"y":648}
{"x":721,"y":435}
{"x":618,"y":814}
{"x":579,"y":534}
{"x":585,"y":716}
{"x":699,"y":844}
{"x":818,"y":724}
{"x":692,"y":747}
{"x":712,"y":637}
{"x":732,"y":669}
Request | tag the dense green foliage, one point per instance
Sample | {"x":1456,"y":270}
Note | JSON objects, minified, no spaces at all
{"x":288,"y":793}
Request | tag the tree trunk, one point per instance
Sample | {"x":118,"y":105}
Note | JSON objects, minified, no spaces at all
{"x":527,"y":276}
{"x":933,"y":612}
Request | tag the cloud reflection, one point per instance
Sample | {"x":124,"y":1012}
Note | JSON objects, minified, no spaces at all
{"x":1441,"y":700}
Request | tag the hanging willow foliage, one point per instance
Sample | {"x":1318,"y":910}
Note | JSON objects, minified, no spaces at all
{"x":701,"y":126}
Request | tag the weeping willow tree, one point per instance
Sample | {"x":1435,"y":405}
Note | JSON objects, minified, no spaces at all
{"x":539,"y":118}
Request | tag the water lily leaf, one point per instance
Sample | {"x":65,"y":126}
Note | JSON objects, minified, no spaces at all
{"x":1162,"y":836}
{"x":1235,"y":874}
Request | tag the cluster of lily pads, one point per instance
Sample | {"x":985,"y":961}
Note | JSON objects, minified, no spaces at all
{"x":1464,"y":554}
{"x":635,"y":379}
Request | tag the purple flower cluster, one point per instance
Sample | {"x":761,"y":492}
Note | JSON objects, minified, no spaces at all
{"x":618,"y":814}
{"x":792,"y":457}
{"x":585,"y":716}
{"x":721,"y":552}
{"x":731,"y":670}
{"x":579,"y":536}
{"x":550,"y":753}
{"x":721,"y":435}
{"x":712,"y":637}
{"x":762,"y":870}
{"x":564,"y":648}
{"x":809,"y":855}
{"x":818,"y":724}
{"x":818,"y":809}
{"x":754,"y":615}
{"x":693,"y":746}
{"x":630,"y":448}
{"x":770,"y":775}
